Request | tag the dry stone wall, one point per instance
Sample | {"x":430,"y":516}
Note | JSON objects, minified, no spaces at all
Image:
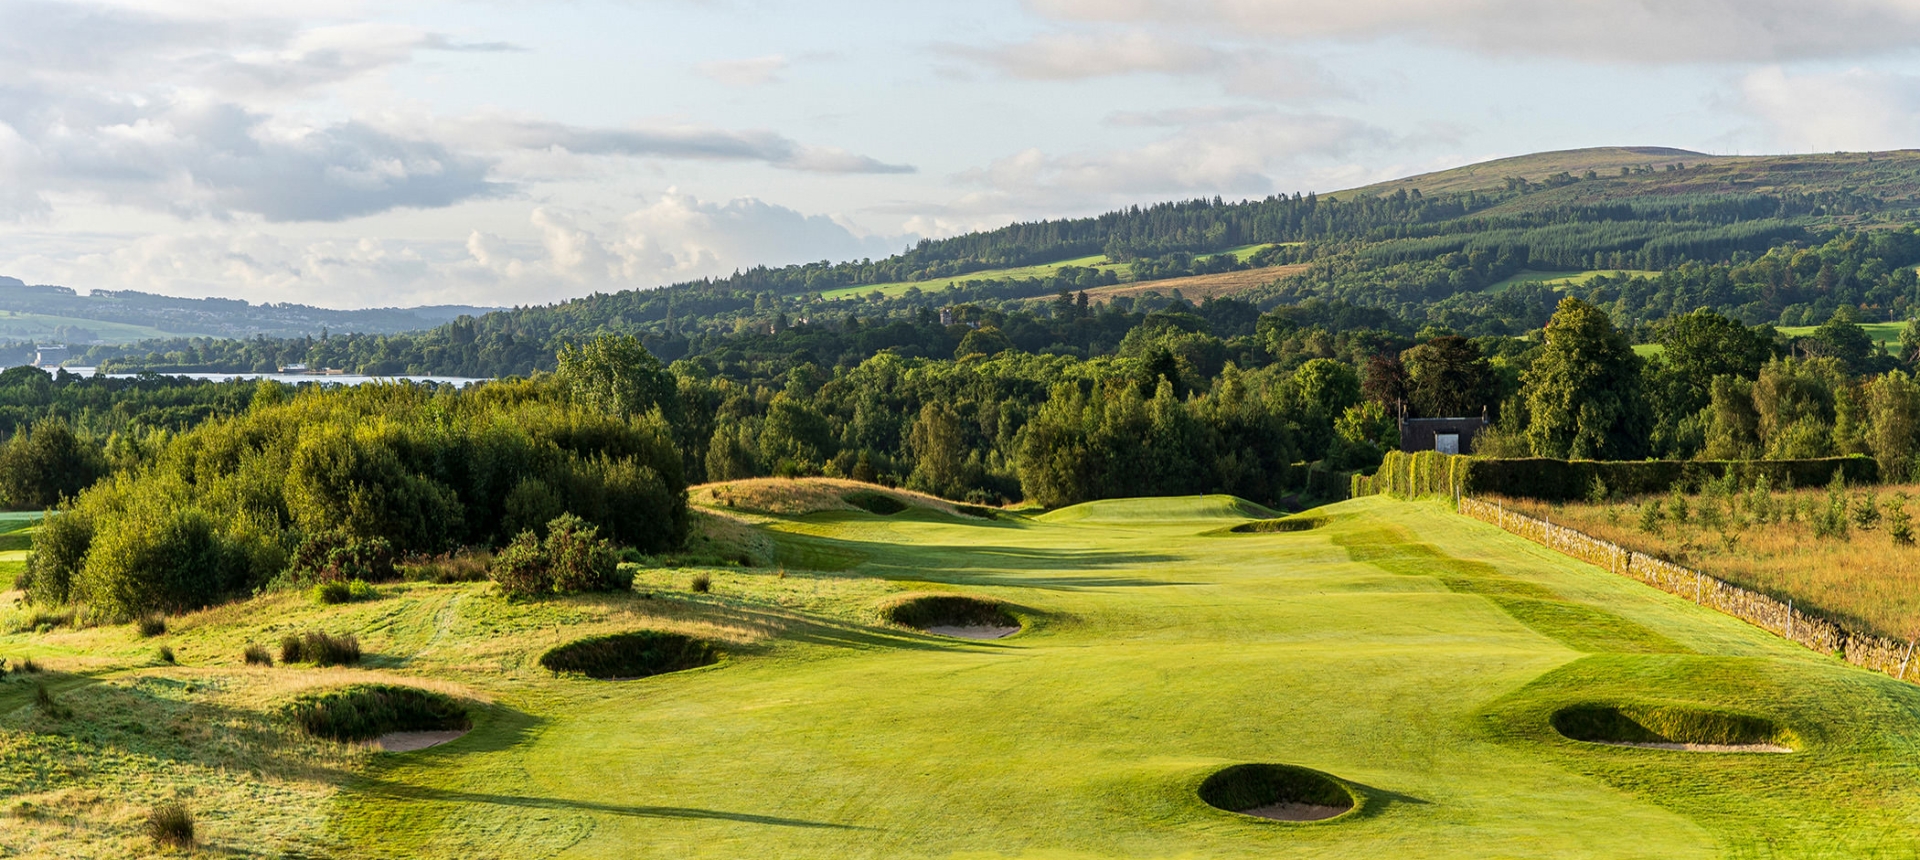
{"x":1767,"y":613}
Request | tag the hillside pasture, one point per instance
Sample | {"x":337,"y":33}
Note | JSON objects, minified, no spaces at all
{"x":1398,"y":661}
{"x":1045,"y":270}
{"x":1563,"y":280}
{"x":1197,"y":288}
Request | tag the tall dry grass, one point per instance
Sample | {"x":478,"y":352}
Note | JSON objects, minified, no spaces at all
{"x":1772,"y":541}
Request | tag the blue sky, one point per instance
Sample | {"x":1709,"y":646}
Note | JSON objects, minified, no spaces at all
{"x":351,"y":154}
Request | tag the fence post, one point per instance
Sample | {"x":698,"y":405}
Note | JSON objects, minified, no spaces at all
{"x":1903,"y":660}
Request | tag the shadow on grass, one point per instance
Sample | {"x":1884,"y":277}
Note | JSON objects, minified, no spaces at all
{"x":403,"y":792}
{"x":1379,"y":801}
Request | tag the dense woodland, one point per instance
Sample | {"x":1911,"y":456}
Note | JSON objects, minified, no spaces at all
{"x":992,"y":391}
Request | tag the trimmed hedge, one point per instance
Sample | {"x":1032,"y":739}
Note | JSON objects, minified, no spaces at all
{"x":1430,"y":473}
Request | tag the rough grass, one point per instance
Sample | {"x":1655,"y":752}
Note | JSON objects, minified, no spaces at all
{"x":795,"y":496}
{"x":1249,"y":786}
{"x":362,"y":712}
{"x":1865,"y":580}
{"x":320,"y":649}
{"x":170,"y":825}
{"x":640,"y":654}
{"x":1287,"y":524}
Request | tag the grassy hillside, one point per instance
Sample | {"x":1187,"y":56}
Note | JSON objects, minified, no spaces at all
{"x":45,"y":328}
{"x":1884,"y":333}
{"x":1097,"y":261}
{"x":1418,"y":656}
{"x":1488,"y":175}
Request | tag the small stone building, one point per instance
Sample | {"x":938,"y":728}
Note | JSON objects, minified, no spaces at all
{"x":1446,"y":435}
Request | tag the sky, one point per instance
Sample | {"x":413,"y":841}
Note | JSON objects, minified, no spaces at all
{"x":357,"y":154}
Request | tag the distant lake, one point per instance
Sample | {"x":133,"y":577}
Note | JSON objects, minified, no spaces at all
{"x":289,"y":378}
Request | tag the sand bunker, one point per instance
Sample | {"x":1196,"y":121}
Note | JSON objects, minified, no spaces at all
{"x":1666,"y":727}
{"x":629,"y":656}
{"x":1278,"y":792}
{"x":958,"y":615}
{"x":411,"y":741}
{"x":973,"y":631}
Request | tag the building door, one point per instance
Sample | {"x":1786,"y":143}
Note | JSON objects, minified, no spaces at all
{"x":1446,"y":443}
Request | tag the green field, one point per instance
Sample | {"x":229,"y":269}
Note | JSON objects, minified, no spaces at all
{"x":1886,"y":334}
{"x":1562,"y":279}
{"x":1124,"y":270}
{"x":1413,"y":653}
{"x":15,"y":325}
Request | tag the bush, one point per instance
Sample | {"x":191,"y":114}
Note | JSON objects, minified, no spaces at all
{"x":573,"y":558}
{"x":152,"y":625}
{"x":336,"y":592}
{"x":166,"y":655}
{"x":170,"y":825}
{"x":335,"y":556}
{"x":630,"y":655}
{"x":701,"y":583}
{"x":320,"y":649}
{"x":362,"y":712}
{"x":257,"y":655}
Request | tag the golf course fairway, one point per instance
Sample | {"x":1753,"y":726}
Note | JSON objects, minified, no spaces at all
{"x":1414,"y":655}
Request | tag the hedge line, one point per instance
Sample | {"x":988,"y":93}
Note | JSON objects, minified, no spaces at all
{"x":1430,"y":473}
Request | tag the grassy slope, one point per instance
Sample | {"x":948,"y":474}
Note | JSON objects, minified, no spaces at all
{"x":1887,"y":333}
{"x":29,"y":326}
{"x":1562,"y":279}
{"x":1124,"y":270}
{"x":1401,"y":647}
{"x":1534,"y":167}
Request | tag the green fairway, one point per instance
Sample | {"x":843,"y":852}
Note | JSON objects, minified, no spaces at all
{"x":1411,"y":652}
{"x":1124,"y":270}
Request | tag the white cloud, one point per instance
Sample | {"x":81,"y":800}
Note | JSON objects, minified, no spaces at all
{"x":563,"y":253}
{"x":1688,"y":31}
{"x":1857,"y":109}
{"x":1211,"y":153}
{"x":745,"y":73}
{"x":664,"y":141}
{"x":1066,"y":56}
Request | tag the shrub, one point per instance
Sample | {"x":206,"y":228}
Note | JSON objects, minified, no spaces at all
{"x":580,"y":560}
{"x":1866,"y":510}
{"x":336,"y":592}
{"x":152,"y":624}
{"x":520,"y":569}
{"x":1430,"y":473}
{"x":166,"y":655}
{"x":257,"y":655}
{"x":701,"y":583}
{"x":362,"y":712}
{"x":630,"y":655}
{"x":320,"y":649}
{"x":572,"y":558}
{"x":336,"y":555}
{"x":1899,"y":522}
{"x":170,"y":825}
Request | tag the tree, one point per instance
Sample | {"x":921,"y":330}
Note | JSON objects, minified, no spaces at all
{"x":1842,"y":339}
{"x":1583,"y":390}
{"x":618,"y":376}
{"x":1893,"y":422}
{"x":939,"y":450}
{"x":1448,"y":377}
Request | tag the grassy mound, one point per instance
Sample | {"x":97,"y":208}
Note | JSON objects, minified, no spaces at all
{"x":1288,"y":524}
{"x":796,"y":496}
{"x":1247,"y":787}
{"x":1647,"y":724}
{"x":362,"y":712}
{"x":1159,"y":511}
{"x":630,"y":655}
{"x":947,"y":610}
